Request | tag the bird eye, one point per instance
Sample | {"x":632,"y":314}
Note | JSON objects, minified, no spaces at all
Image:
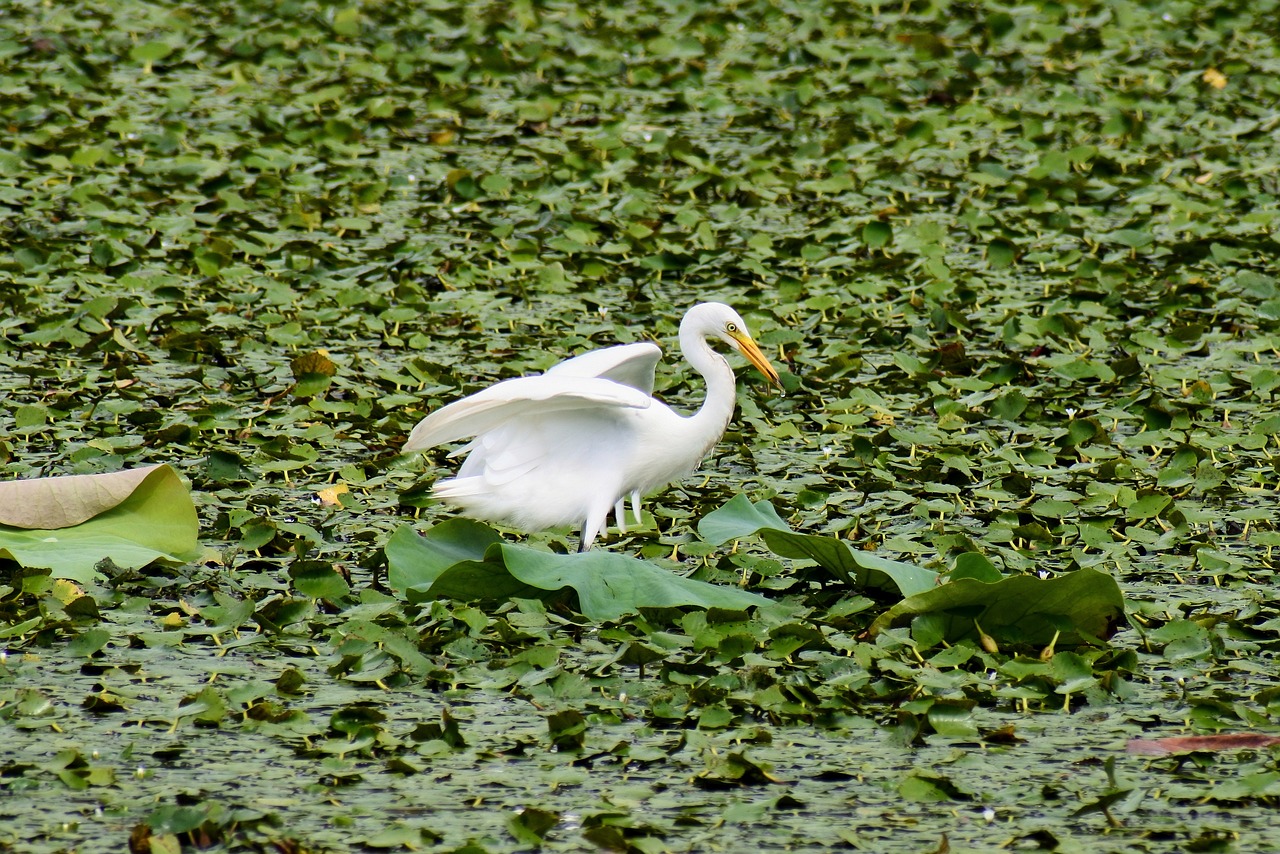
{"x":731,"y":327}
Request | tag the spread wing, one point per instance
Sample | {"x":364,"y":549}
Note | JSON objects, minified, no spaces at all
{"x":522,"y":398}
{"x":630,"y":364}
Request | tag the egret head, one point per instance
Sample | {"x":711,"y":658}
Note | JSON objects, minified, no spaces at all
{"x":717,"y":320}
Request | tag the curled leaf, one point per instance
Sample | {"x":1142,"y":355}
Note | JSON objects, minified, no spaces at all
{"x":60,"y":502}
{"x":70,"y":524}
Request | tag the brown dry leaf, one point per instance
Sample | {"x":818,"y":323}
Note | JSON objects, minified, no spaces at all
{"x":59,"y":502}
{"x":1192,"y":743}
{"x":330,"y":495}
{"x":314,"y":363}
{"x":1215,"y":78}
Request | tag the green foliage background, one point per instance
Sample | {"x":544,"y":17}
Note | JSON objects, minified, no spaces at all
{"x":1020,"y":264}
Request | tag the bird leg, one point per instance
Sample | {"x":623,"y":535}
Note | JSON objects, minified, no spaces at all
{"x":620,"y":512}
{"x":595,"y":522}
{"x":635,"y":505}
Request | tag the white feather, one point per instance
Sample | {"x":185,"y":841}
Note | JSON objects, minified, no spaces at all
{"x":566,"y":447}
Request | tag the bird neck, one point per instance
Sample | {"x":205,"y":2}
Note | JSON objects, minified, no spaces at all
{"x":717,"y":409}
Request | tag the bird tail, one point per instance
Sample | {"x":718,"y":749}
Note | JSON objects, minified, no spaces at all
{"x":459,"y":488}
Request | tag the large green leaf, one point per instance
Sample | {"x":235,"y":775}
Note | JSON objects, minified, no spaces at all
{"x":490,"y":579}
{"x":741,"y":518}
{"x":1022,"y":609}
{"x":417,"y":561}
{"x":132,"y":517}
{"x":610,"y":585}
{"x":461,"y":559}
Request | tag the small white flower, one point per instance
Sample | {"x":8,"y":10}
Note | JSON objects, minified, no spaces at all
{"x":988,"y":815}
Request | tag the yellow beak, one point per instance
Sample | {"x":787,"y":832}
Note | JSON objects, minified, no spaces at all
{"x":751,"y":350}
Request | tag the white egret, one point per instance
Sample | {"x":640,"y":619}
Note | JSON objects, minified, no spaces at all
{"x":567,"y":446}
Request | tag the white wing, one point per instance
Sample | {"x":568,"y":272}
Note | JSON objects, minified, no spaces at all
{"x":544,"y":470}
{"x":523,"y":397}
{"x":629,"y":364}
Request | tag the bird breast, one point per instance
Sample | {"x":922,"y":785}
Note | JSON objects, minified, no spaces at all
{"x":666,"y":446}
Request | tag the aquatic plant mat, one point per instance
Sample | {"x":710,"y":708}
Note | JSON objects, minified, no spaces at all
{"x":996,"y":572}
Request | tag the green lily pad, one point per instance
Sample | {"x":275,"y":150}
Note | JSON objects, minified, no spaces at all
{"x":413,"y":561}
{"x":741,"y":518}
{"x":1023,"y":609}
{"x":466,"y":560}
{"x":70,"y":524}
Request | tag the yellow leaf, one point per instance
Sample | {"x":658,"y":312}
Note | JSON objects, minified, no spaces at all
{"x":329,"y":495}
{"x":1215,"y":78}
{"x":66,"y":591}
